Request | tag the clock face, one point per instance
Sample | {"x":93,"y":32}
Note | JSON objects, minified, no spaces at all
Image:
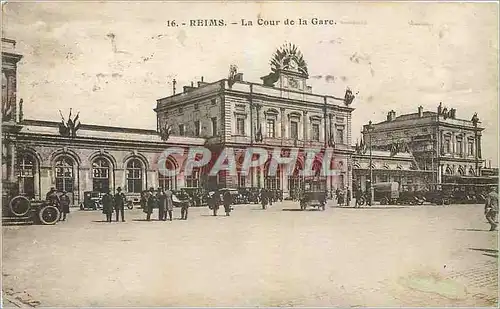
{"x":293,"y":66}
{"x":293,"y":83}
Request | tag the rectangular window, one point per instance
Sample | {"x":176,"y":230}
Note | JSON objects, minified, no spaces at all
{"x":180,"y":109}
{"x":197,"y":128}
{"x":242,"y":180}
{"x":340,"y":135}
{"x":214,"y":126}
{"x":470,"y":148}
{"x":270,"y":128}
{"x":213,"y":101}
{"x":182,"y":130}
{"x":240,"y":126}
{"x":196,"y":106}
{"x":294,"y":130}
{"x":459,"y":147}
{"x":447,"y":145}
{"x":315,"y":132}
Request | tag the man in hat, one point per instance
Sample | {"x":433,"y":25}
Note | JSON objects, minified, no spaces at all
{"x":107,"y":205}
{"x":491,"y":208}
{"x":162,"y":204}
{"x":151,"y":203}
{"x":169,"y":204}
{"x":65,"y":201}
{"x":52,"y":198}
{"x":120,"y":200}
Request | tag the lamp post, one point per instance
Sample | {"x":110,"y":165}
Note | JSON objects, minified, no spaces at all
{"x":370,"y":129}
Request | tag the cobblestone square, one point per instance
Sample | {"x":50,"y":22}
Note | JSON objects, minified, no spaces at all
{"x":379,"y":256}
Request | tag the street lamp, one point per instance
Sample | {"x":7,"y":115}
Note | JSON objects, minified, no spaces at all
{"x":369,"y":128}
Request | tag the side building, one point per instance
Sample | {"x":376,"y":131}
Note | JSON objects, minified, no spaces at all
{"x":442,"y":146}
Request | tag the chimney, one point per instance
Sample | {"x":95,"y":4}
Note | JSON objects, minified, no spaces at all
{"x":420,"y":111}
{"x":192,"y":84}
{"x":238,"y":77}
{"x":174,"y":82}
{"x":391,"y":115}
{"x":201,"y":83}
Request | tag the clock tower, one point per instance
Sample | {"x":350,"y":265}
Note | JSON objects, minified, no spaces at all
{"x":288,"y":70}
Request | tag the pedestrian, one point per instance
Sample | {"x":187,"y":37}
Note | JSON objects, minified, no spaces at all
{"x":65,"y":201}
{"x":264,"y":198}
{"x":185,"y":208}
{"x":228,"y":199}
{"x":213,"y":202}
{"x":52,"y":198}
{"x":151,"y":204}
{"x":162,"y":204}
{"x":169,"y":204}
{"x":337,"y":196}
{"x":120,"y":200}
{"x":358,"y":198}
{"x":491,"y":208}
{"x":348,"y":197}
{"x":107,"y":205}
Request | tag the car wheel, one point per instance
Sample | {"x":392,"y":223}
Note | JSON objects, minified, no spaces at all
{"x":49,"y":215}
{"x":19,"y":206}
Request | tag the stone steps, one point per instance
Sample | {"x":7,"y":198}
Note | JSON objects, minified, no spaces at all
{"x":13,"y":220}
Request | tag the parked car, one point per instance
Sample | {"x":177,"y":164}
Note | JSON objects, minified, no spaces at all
{"x":180,"y":198}
{"x":314,"y":199}
{"x":92,"y":200}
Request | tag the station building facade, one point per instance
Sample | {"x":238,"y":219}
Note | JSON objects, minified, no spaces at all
{"x":282,"y":112}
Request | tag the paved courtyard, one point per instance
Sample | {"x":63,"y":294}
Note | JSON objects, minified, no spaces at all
{"x":379,"y":256}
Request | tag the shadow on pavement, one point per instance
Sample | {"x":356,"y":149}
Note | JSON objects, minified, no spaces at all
{"x":491,"y":251}
{"x":371,"y":207}
{"x":491,"y":255}
{"x":298,"y":209}
{"x":100,"y":221}
{"x":488,"y":252}
{"x":473,"y":230}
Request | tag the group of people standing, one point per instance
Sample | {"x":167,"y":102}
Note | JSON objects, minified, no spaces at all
{"x":114,"y":202}
{"x":214,"y":200}
{"x":162,"y":200}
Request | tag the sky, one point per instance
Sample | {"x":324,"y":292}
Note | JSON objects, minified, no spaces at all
{"x":111,"y":61}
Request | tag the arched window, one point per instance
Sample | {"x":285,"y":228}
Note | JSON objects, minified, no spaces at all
{"x":134,"y":176}
{"x":27,"y":175}
{"x":100,"y":175}
{"x":472,"y":172}
{"x":449,"y":171}
{"x":166,"y":181}
{"x":272,"y":180}
{"x":461,"y":171}
{"x":64,"y":174}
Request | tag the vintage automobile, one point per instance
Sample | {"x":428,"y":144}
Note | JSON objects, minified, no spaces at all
{"x":314,"y":199}
{"x":411,"y":194}
{"x":197,"y":196}
{"x":386,"y":193}
{"x":180,"y":198}
{"x":92,"y":200}
{"x":41,"y":211}
{"x":437,"y":194}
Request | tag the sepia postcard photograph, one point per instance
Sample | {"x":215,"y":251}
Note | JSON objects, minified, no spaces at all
{"x":249,"y":154}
